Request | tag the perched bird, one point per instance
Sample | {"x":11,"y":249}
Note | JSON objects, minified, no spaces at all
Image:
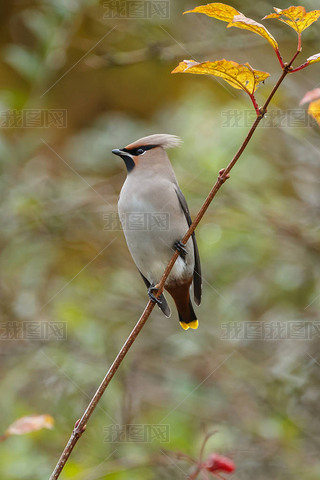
{"x":155,"y":217}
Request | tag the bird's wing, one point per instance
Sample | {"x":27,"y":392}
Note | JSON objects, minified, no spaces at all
{"x":197,"y":281}
{"x":164,"y":305}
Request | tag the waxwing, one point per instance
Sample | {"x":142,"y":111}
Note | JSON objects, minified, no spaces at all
{"x":155,"y":217}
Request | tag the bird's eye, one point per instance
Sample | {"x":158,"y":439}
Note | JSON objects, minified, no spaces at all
{"x":140,"y":151}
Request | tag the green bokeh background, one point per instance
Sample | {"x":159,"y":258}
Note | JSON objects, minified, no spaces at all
{"x":60,"y":262}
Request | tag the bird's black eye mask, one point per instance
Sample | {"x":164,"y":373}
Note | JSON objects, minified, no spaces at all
{"x":139,"y":150}
{"x":127,"y":154}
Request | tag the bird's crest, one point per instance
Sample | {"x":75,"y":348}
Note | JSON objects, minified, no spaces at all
{"x":159,"y":139}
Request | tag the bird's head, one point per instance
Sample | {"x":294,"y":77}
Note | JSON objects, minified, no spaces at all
{"x":146,"y":150}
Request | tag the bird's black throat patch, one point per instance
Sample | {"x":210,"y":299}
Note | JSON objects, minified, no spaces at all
{"x":128,"y":162}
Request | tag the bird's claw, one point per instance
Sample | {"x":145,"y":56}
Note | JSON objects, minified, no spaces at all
{"x":181,"y":248}
{"x":151,"y":289}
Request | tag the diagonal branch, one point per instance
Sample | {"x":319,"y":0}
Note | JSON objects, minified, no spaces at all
{"x":80,"y":425}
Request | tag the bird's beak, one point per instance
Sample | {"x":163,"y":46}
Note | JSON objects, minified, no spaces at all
{"x":117,"y":151}
{"x":126,"y":157}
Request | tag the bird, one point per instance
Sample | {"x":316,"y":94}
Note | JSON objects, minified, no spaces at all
{"x":154,"y":215}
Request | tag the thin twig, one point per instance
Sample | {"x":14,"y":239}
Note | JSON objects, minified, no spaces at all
{"x":80,"y":425}
{"x":196,"y":472}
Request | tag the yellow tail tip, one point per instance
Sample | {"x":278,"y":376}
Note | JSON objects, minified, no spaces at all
{"x":194,"y":325}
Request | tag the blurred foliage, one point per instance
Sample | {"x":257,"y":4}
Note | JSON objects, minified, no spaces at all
{"x":60,"y":262}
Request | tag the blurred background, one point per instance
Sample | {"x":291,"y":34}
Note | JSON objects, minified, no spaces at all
{"x":80,"y":77}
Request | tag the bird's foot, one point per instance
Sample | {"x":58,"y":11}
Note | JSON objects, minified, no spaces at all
{"x":222,"y":177}
{"x":178,"y":245}
{"x":151,"y":289}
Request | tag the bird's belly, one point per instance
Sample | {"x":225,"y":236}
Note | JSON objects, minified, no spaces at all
{"x":152,"y":251}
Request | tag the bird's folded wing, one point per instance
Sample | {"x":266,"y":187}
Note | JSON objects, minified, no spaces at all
{"x":197,"y":280}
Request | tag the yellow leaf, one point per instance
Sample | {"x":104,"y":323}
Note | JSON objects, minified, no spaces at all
{"x":314,"y":110}
{"x":314,"y":58}
{"x":240,"y":76}
{"x":29,"y":424}
{"x":216,"y":10}
{"x":245,"y":23}
{"x":235,"y":19}
{"x":296,"y":17}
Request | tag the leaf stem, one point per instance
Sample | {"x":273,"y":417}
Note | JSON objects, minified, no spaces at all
{"x":279,"y":57}
{"x":303,"y":65}
{"x":299,"y":42}
{"x":254,"y":101}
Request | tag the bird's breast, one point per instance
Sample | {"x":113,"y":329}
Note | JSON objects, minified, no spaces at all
{"x":152,"y":221}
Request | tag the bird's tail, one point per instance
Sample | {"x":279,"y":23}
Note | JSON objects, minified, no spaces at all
{"x":181,"y":297}
{"x":188,"y":319}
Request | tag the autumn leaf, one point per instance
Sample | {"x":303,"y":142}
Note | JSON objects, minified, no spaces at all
{"x":313,"y":96}
{"x":245,"y":23}
{"x":296,"y":17}
{"x":314,"y":58}
{"x":240,"y":76}
{"x":314,"y":110}
{"x":30,"y":423}
{"x":216,"y":10}
{"x":235,"y":19}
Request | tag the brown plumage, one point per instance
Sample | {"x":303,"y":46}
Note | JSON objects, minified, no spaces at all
{"x":181,"y":297}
